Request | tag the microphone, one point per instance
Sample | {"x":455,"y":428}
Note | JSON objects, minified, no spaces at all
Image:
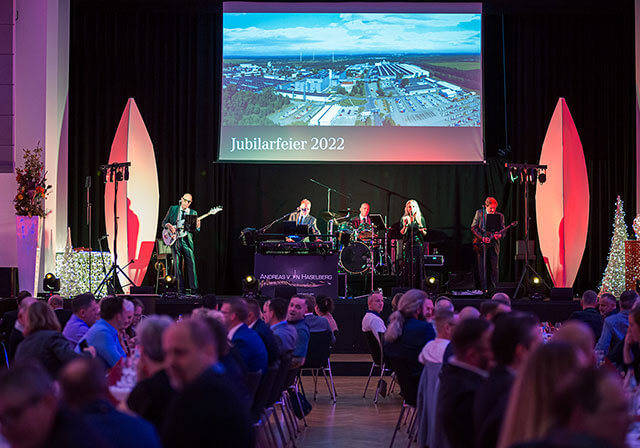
{"x":104,"y":237}
{"x":87,"y":182}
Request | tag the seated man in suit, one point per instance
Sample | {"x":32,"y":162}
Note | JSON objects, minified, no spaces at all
{"x":255,"y":322}
{"x":461,"y":379}
{"x":57,"y":305}
{"x":243,"y":338}
{"x":317,"y":324}
{"x":295,"y":317}
{"x":589,"y":313}
{"x":275,"y":314}
{"x":303,"y":217}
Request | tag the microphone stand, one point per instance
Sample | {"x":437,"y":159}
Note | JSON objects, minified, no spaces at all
{"x":87,"y":186}
{"x":272,"y":223}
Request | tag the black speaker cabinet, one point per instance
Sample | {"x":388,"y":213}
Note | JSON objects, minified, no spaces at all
{"x":565,"y":294}
{"x":9,"y":286}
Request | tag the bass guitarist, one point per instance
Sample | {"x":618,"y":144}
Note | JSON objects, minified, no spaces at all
{"x":183,"y":247}
{"x":487,"y":227}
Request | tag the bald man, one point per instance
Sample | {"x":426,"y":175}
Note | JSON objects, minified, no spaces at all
{"x":372,"y":321}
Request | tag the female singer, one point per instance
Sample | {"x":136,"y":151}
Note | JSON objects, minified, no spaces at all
{"x":413,"y":232}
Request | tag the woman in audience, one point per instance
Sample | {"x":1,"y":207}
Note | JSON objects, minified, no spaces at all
{"x":530,"y":410}
{"x":395,"y":300}
{"x":44,"y":342}
{"x":325,"y":308}
{"x":153,"y":393}
{"x":631,"y":351}
{"x":407,"y":332}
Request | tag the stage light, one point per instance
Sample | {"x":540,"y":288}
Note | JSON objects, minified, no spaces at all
{"x":169,"y":280}
{"x":542,"y":177}
{"x":537,"y":288}
{"x":535,"y":280}
{"x":51,"y":283}
{"x":432,"y":280}
{"x":250,"y":286}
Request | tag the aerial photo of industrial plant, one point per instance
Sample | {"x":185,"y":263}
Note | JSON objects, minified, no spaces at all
{"x":351,"y":70}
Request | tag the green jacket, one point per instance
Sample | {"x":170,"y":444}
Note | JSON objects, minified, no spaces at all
{"x":172,"y":218}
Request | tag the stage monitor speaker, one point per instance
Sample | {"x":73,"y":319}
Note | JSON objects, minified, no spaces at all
{"x":561,"y":294}
{"x":141,"y":290}
{"x":461,"y":281}
{"x":9,"y":286}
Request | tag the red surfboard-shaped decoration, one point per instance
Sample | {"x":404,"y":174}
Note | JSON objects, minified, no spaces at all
{"x":562,"y":202}
{"x":137,"y":198}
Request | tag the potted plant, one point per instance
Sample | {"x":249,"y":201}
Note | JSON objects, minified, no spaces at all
{"x":30,"y":211}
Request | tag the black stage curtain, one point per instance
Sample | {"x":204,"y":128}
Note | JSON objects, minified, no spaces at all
{"x":167,"y":56}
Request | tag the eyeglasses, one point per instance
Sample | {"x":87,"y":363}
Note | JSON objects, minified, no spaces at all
{"x":187,"y":200}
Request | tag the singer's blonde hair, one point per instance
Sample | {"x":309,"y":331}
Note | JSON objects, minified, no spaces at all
{"x":416,"y":207}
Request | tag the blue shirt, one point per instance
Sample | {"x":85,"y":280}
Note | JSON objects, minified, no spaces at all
{"x":302,"y":344}
{"x":75,"y":329}
{"x":104,"y":337}
{"x":614,"y":326}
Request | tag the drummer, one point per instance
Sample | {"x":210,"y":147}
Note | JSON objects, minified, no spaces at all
{"x":363,"y":218}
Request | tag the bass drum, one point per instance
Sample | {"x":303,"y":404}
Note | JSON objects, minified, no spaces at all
{"x":355,"y":258}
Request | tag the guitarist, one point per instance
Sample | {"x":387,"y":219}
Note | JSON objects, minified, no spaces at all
{"x":487,"y":234}
{"x":183,"y":247}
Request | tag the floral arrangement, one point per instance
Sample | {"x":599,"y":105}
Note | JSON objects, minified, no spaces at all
{"x":32,"y":185}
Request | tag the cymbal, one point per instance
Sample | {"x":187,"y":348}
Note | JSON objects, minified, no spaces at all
{"x":347,"y":210}
{"x":328,"y":216}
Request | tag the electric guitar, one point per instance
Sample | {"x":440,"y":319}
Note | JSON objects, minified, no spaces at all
{"x":170,"y":237}
{"x":477,"y":242}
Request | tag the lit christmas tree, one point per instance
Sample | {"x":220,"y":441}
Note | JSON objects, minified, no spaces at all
{"x":613,"y":279}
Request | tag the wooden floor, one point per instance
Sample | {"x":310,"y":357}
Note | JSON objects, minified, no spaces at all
{"x":353,"y":421}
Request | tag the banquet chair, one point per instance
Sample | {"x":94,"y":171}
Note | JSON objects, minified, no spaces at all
{"x":409,"y":389}
{"x":317,"y":360}
{"x":377,"y":361}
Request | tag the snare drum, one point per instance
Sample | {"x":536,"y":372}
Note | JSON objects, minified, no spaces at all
{"x":345,"y":234}
{"x":355,"y":258}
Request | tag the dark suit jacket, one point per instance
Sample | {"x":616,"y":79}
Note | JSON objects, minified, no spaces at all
{"x":172,"y":218}
{"x":6,"y":324}
{"x":63,"y":316}
{"x":591,"y":317}
{"x":208,"y":413}
{"x":491,"y":405}
{"x":415,"y":334}
{"x":49,"y":347}
{"x":561,"y":438}
{"x":458,"y":388}
{"x":478,"y":226}
{"x":307,"y":220}
{"x":251,"y":348}
{"x":355,"y":222}
{"x":269,"y":340}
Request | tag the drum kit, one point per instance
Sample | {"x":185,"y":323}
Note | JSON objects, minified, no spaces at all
{"x":362,"y":249}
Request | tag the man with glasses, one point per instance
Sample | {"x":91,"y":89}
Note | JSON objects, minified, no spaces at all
{"x":182,"y":249}
{"x":303,"y":217}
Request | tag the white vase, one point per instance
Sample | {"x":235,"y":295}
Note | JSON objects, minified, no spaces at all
{"x":28,"y":240}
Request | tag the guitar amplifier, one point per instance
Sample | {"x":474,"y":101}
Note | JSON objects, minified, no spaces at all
{"x":434,"y":260}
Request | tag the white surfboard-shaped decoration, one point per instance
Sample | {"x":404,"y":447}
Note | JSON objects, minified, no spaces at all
{"x":138,"y":197}
{"x":562,"y":202}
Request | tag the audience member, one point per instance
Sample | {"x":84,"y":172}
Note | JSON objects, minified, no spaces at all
{"x":316,"y":324}
{"x":445,"y":322}
{"x":607,"y":304}
{"x":57,"y":305}
{"x":589,"y":314}
{"x":295,"y":316}
{"x":395,"y":300}
{"x":31,"y":415}
{"x":85,"y":313}
{"x":243,"y":338}
{"x":210,"y":301}
{"x":615,"y":326}
{"x":152,"y":394}
{"x":460,"y":380}
{"x":10,"y":317}
{"x":325,"y":308}
{"x":123,"y":335}
{"x":514,"y":336}
{"x":138,"y":310}
{"x":490,"y":308}
{"x":535,"y":382}
{"x":428,"y":310}
{"x":255,"y":322}
{"x":84,"y":388}
{"x":103,"y":335}
{"x":372,"y":321}
{"x":17,"y":332}
{"x":631,"y":350}
{"x":591,"y":411}
{"x":580,"y":337}
{"x":43,"y":341}
{"x":502,"y":298}
{"x":468,"y":312}
{"x":206,"y":411}
{"x":406,"y":335}
{"x":443,"y":302}
{"x":285,"y":333}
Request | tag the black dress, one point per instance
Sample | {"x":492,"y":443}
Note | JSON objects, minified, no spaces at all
{"x":413,"y":256}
